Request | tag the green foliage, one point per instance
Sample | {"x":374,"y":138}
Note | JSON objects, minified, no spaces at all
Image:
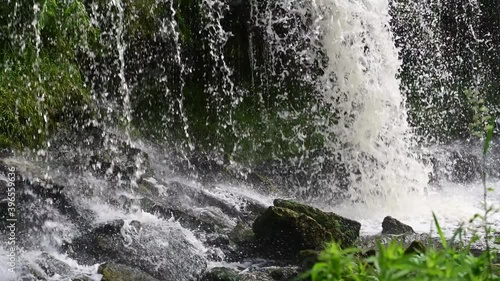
{"x":392,"y":262}
{"x":32,"y":109}
{"x":489,"y":135}
{"x":65,"y":28}
{"x":41,"y":84}
{"x":481,"y":118}
{"x":261,"y":116}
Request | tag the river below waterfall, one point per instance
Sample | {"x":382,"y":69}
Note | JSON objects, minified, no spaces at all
{"x":58,"y":204}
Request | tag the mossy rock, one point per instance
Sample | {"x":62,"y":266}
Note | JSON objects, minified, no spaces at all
{"x":392,"y":226}
{"x":221,"y":274}
{"x":286,"y":229}
{"x":287,"y":232}
{"x":343,"y":229}
{"x":307,"y":258}
{"x":415,"y":247}
{"x":27,"y":120}
{"x":241,"y":233}
{"x":119,"y":272}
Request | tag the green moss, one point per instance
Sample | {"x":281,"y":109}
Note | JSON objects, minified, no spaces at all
{"x":118,"y":272}
{"x":346,"y":229}
{"x":41,"y":84}
{"x":287,"y":232}
{"x":33,"y":109}
{"x":188,"y":17}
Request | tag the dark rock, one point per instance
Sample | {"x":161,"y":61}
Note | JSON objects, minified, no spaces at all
{"x":286,"y":232}
{"x":307,"y":258}
{"x":256,"y":276}
{"x":219,"y":241}
{"x":52,"y":266}
{"x":369,"y":253}
{"x":102,"y":153}
{"x":465,"y":167}
{"x":341,"y":227}
{"x":242,"y":233}
{"x":6,"y":152}
{"x":119,"y":272}
{"x":415,"y":247}
{"x":221,"y":274}
{"x":136,"y":245}
{"x":283,"y":273}
{"x":478,"y":252}
{"x":288,"y":228}
{"x":391,"y":225}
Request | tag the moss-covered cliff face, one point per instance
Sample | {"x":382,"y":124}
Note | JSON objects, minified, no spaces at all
{"x":210,"y":74}
{"x":237,"y":78}
{"x":42,"y":46}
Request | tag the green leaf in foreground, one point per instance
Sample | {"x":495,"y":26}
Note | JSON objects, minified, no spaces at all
{"x":440,"y":231}
{"x":489,"y":134}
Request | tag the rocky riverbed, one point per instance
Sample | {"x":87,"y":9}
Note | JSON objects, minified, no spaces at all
{"x":99,"y":208}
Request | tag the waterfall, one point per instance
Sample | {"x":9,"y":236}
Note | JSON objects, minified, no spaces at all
{"x":197,"y":114}
{"x":372,"y":133}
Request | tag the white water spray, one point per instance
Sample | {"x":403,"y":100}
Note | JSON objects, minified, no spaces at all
{"x":121,"y":48}
{"x":372,"y":134}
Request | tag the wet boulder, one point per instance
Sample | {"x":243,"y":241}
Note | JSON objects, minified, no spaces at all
{"x":163,"y":249}
{"x":289,"y":227}
{"x":102,"y":153}
{"x":119,"y":272}
{"x":307,"y":258}
{"x":415,"y":247}
{"x":340,"y":227}
{"x":186,"y":220}
{"x":52,"y":266}
{"x":221,"y":274}
{"x":283,"y":273}
{"x":241,"y":233}
{"x":392,"y":226}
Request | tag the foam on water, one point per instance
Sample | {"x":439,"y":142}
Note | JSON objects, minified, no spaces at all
{"x":4,"y":267}
{"x":106,"y":213}
{"x":453,"y":204}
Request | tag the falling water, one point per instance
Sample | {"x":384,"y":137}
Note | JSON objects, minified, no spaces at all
{"x":373,"y":135}
{"x":343,"y":53}
{"x":121,"y":48}
{"x":370,"y":134}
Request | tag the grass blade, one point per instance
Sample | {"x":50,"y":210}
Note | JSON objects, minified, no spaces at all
{"x":440,"y":231}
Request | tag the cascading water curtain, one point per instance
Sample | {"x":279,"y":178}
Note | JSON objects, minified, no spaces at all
{"x":448,"y":49}
{"x":372,"y":135}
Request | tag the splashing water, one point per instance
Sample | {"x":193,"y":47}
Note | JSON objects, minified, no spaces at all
{"x":353,"y":46}
{"x":373,"y":136}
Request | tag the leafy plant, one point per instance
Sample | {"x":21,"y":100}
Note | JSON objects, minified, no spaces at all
{"x":392,"y":262}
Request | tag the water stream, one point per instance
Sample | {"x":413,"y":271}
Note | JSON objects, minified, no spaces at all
{"x":343,"y":52}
